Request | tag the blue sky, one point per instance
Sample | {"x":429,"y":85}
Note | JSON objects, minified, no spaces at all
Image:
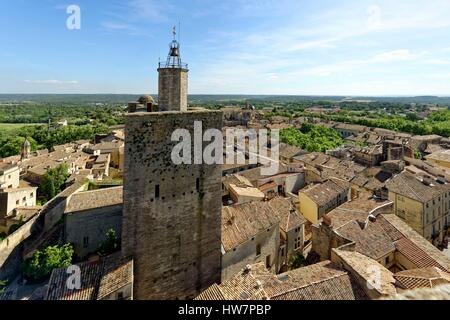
{"x":300,"y":47}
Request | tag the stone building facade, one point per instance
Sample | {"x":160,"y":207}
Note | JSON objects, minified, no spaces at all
{"x":171,"y":215}
{"x":9,"y":176}
{"x":250,"y":234}
{"x":423,"y":203}
{"x":86,"y":231}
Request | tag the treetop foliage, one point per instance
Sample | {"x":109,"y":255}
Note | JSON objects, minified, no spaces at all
{"x":43,"y":262}
{"x":312,"y":138}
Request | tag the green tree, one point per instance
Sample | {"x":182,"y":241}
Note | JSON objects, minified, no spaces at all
{"x":110,"y":244}
{"x":53,"y":181}
{"x":3,"y":284}
{"x":297,"y":261}
{"x":43,"y":262}
{"x":12,"y":145}
{"x":311,"y":138}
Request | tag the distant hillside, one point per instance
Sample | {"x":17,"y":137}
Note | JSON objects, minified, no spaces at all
{"x":124,"y":98}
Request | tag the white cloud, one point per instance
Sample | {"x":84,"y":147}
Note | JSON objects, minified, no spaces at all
{"x":272,"y":76}
{"x":56,"y":82}
{"x":154,"y":10}
{"x":396,"y":55}
{"x":117,"y":26}
{"x":437,"y":62}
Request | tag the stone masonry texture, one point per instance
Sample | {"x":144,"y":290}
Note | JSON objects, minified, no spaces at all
{"x":173,"y":89}
{"x":171,"y":216}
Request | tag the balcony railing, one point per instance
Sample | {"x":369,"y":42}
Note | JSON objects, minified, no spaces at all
{"x":173,"y":65}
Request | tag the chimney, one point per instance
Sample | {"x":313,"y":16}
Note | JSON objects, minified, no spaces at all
{"x":426,"y":181}
{"x":326,"y":220}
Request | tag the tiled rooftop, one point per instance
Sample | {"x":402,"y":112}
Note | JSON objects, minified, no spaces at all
{"x":409,"y":185}
{"x":98,"y":279}
{"x":287,"y":213}
{"x":86,"y":200}
{"x":363,"y":267}
{"x":243,"y":221}
{"x":422,"y":278}
{"x":441,"y":155}
{"x":321,"y":281}
{"x":325,"y":192}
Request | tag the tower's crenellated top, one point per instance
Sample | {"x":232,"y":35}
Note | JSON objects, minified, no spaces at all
{"x":174,"y":58}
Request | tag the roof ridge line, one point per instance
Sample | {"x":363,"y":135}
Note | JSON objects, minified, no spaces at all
{"x":345,"y":273}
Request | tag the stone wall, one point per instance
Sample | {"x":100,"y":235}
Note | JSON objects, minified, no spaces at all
{"x":23,"y":240}
{"x":234,"y":261}
{"x":86,"y":230}
{"x":324,"y":239}
{"x":171,"y":214}
{"x":11,"y":249}
{"x":237,"y":117}
{"x":54,"y":210}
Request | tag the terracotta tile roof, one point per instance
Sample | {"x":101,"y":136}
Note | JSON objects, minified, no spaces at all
{"x":289,"y":217}
{"x":243,"y":221}
{"x":389,"y":229}
{"x":415,"y":254}
{"x":86,"y":200}
{"x":117,"y":274}
{"x":362,"y":266}
{"x":90,"y":273}
{"x":347,"y":126}
{"x":237,"y":180}
{"x":212,"y":293}
{"x":441,"y":155}
{"x":98,"y":279}
{"x":321,"y":281}
{"x":373,"y":178}
{"x":422,"y":278}
{"x":359,"y":208}
{"x":246,"y":191}
{"x":329,"y":166}
{"x":288,"y":151}
{"x":386,"y":234}
{"x":369,"y":238}
{"x":409,"y":185}
{"x":340,"y":287}
{"x":325,"y":192}
{"x":255,"y":173}
{"x":407,"y":232}
{"x":435,"y":149}
{"x":245,"y":285}
{"x":267,"y":186}
{"x":427,"y":137}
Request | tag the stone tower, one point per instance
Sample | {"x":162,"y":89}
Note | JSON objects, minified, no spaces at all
{"x":171,"y":213}
{"x":25,"y":150}
{"x":173,"y":80}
